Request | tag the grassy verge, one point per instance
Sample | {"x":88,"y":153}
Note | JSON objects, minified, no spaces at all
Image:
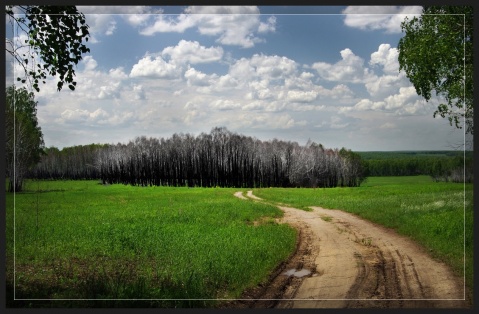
{"x":105,"y":245}
{"x":439,"y":216}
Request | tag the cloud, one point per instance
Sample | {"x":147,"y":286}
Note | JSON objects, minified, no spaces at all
{"x":386,"y":60}
{"x":100,"y":25}
{"x":225,"y":104}
{"x":387,"y":18}
{"x":91,"y":83}
{"x":337,"y":123}
{"x":102,"y":19}
{"x":193,"y":113}
{"x":406,"y":95}
{"x":267,"y":121}
{"x":341,"y":90}
{"x":387,"y":57}
{"x":76,"y":115}
{"x":386,"y":85}
{"x":111,"y":88}
{"x":301,"y":96}
{"x":388,"y":125}
{"x":155,"y":68}
{"x":226,"y":82}
{"x":192,"y":52}
{"x":97,"y":117}
{"x":269,"y":26}
{"x":89,"y":63}
{"x":198,"y":78}
{"x":367,"y":104}
{"x":352,"y":69}
{"x":139,"y":92}
{"x":107,"y":85}
{"x":232,"y":25}
{"x":118,"y":73}
{"x":117,"y":10}
{"x":180,"y":57}
{"x":98,"y":114}
{"x":262,"y":67}
{"x":222,"y":10}
{"x":274,"y":67}
{"x":301,"y":81}
{"x":405,"y":102}
{"x":349,"y":69}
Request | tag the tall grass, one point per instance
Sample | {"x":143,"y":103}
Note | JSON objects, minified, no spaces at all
{"x":437,"y":215}
{"x":84,"y":240}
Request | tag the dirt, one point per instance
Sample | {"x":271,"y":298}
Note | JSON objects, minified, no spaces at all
{"x":352,"y":263}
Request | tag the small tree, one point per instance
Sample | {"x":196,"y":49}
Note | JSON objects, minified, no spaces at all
{"x":24,"y":138}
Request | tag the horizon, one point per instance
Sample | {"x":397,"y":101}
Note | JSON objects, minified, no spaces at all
{"x":265,"y":140}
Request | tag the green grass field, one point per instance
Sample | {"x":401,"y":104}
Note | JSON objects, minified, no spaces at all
{"x":84,"y":240}
{"x":437,"y":215}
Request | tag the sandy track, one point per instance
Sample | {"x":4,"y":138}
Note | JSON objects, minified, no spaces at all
{"x":354,"y":263}
{"x":240,"y":195}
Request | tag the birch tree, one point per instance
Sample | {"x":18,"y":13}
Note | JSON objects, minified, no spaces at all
{"x":24,"y":138}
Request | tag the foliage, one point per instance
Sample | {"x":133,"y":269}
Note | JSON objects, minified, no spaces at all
{"x":24,"y":138}
{"x":55,"y":35}
{"x":91,"y":241}
{"x":437,"y":55}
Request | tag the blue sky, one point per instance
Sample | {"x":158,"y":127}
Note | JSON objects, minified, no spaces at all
{"x":329,"y":74}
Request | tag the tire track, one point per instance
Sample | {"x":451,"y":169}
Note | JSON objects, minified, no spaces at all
{"x":357,"y":264}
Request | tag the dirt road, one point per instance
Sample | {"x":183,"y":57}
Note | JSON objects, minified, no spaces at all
{"x":343,"y":261}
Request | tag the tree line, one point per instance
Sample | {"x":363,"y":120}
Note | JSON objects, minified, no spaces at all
{"x":226,"y":159}
{"x":220,"y":158}
{"x":76,"y":163}
{"x":448,"y":168}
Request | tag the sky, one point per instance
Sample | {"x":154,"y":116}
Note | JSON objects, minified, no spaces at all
{"x":326,"y":74}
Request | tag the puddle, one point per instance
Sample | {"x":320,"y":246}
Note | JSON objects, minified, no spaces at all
{"x":297,"y":273}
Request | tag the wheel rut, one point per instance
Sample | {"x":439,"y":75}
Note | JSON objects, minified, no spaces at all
{"x":353,"y":263}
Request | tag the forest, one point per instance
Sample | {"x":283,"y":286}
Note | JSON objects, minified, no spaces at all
{"x":226,"y":159}
{"x":218,"y":159}
{"x":449,"y":166}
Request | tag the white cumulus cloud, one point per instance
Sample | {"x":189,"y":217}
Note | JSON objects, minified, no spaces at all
{"x":387,"y":57}
{"x":192,"y":52}
{"x":225,"y":104}
{"x":301,"y":96}
{"x":198,"y":78}
{"x":387,"y":18}
{"x":97,"y":117}
{"x":157,"y":68}
{"x":232,"y":25}
{"x":349,"y":69}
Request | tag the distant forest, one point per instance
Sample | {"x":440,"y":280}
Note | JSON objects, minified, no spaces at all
{"x":454,"y":166}
{"x":226,"y":159}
